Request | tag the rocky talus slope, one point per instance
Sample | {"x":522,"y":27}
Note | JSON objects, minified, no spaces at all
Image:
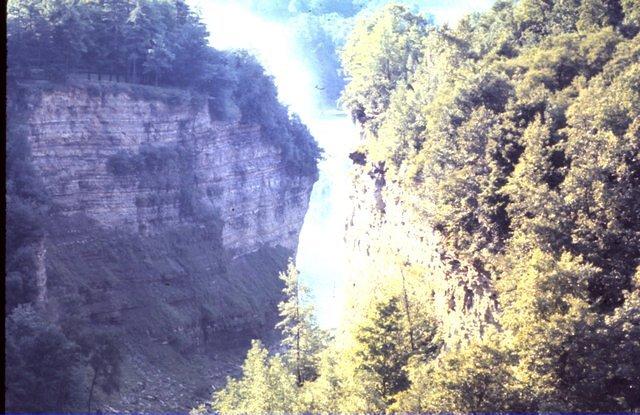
{"x":168,"y":226}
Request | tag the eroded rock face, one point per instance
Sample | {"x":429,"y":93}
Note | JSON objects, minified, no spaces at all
{"x":228,"y":169}
{"x":386,"y":241}
{"x":169,"y":228}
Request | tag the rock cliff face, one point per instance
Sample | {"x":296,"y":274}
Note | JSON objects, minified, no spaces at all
{"x":77,"y":140}
{"x":386,"y":242}
{"x":168,"y":227}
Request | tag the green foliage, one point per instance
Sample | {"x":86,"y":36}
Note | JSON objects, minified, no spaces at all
{"x":378,"y":55}
{"x":257,"y":99}
{"x":45,"y":370}
{"x":104,"y":359}
{"x":301,"y":335}
{"x":277,"y":384}
{"x":154,"y":42}
{"x":602,"y":356}
{"x":616,"y":343}
{"x":385,"y":351}
{"x":266,"y":386}
{"x":515,"y":136}
{"x":631,"y":11}
{"x":328,"y":393}
{"x":544,"y":301}
{"x":27,"y":205}
{"x":555,"y":353}
{"x":320,"y":29}
{"x":21,"y":288}
{"x":602,"y":184}
{"x":475,"y":378}
{"x":149,"y":160}
{"x":44,"y":374}
{"x":149,"y":40}
{"x":493,"y":124}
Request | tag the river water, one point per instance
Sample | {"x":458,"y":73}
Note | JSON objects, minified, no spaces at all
{"x":321,"y":255}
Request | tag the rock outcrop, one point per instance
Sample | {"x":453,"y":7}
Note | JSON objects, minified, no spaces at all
{"x":228,"y":167}
{"x":386,"y":241}
{"x":168,"y":227}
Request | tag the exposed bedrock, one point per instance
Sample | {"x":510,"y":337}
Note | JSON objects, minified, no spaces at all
{"x":167,"y":225}
{"x":386,"y":241}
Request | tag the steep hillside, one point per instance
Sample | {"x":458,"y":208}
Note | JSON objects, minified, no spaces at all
{"x":389,"y":251}
{"x":496,"y":189}
{"x":147,"y":218}
{"x":165,"y":226}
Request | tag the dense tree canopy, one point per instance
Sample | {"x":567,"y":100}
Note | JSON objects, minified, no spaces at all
{"x":153,"y":41}
{"x":156,"y":42}
{"x":35,"y":383}
{"x":515,"y":136}
{"x":320,"y":29}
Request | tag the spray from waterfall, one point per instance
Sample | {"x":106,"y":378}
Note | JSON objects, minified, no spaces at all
{"x":321,"y":255}
{"x":233,"y":26}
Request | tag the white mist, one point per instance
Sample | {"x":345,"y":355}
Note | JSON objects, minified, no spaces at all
{"x":321,"y":255}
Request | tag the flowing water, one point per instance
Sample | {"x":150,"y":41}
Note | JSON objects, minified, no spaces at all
{"x":321,"y":254}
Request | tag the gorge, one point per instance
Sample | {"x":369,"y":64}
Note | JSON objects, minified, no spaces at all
{"x":458,"y":193}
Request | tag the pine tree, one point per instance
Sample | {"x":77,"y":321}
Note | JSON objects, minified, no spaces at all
{"x":302,"y":337}
{"x":385,"y":350}
{"x":266,"y":386}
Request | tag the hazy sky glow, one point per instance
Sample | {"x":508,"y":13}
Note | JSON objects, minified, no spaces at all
{"x":450,"y":11}
{"x":234,"y":27}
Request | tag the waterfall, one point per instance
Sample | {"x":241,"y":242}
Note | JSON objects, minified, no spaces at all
{"x":321,"y":255}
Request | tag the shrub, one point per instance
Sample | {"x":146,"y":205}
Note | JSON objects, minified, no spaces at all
{"x":44,"y":374}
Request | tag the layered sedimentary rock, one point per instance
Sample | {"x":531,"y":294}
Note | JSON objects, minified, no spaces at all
{"x":228,"y":167}
{"x":168,"y":228}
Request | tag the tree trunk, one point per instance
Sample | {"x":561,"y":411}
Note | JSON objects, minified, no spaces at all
{"x":406,"y":309}
{"x":299,"y":369}
{"x":298,"y":358}
{"x":93,"y":383}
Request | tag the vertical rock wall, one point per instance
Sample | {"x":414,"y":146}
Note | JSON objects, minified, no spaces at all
{"x":387,"y":243}
{"x":79,"y":143}
{"x":167,"y":227}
